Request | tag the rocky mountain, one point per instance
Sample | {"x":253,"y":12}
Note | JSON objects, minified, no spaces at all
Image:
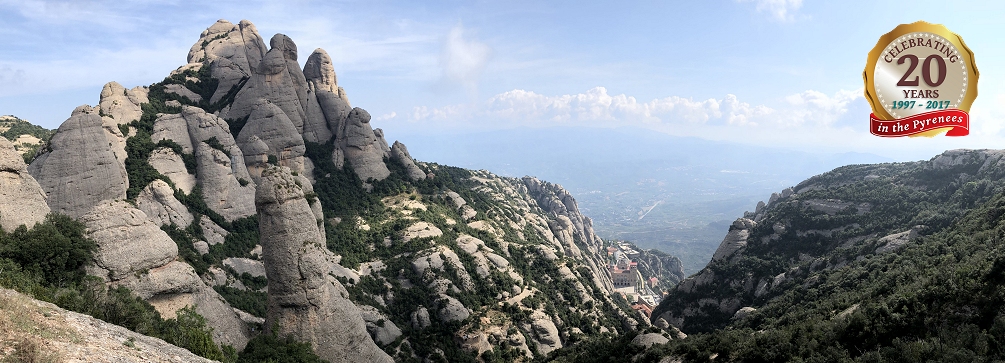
{"x":882,"y":262}
{"x":249,"y":190}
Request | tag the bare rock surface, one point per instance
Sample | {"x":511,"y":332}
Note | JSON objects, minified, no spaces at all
{"x":81,"y":170}
{"x":221,"y":187}
{"x":321,"y":83}
{"x":157,"y":201}
{"x":128,"y":242}
{"x":22,"y":201}
{"x":171,"y":165}
{"x":172,"y":126}
{"x":649,"y":339}
{"x":305,"y":301}
{"x":214,"y":233}
{"x":451,"y":309}
{"x":278,"y":79}
{"x":361,"y":147}
{"x":735,"y":239}
{"x":245,"y":265}
{"x":269,"y":125}
{"x":232,"y":51}
{"x":381,"y":329}
{"x":400,"y":153}
{"x":545,"y":332}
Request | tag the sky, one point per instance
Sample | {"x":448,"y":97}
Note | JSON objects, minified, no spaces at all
{"x":779,"y":73}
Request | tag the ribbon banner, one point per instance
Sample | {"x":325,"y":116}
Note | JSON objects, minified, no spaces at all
{"x":957,"y":119}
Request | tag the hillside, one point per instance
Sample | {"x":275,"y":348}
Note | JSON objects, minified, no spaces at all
{"x":886,"y":262}
{"x":249,"y":190}
{"x":35,"y":331}
{"x":672,"y":193}
{"x":27,"y":138}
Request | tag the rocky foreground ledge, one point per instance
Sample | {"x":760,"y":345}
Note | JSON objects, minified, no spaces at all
{"x":37,"y":331}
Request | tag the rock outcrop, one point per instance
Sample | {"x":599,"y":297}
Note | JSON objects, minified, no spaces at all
{"x":171,"y":165}
{"x":568,"y":225}
{"x":81,"y":170}
{"x":232,"y":52}
{"x":134,"y":252}
{"x":400,"y":153}
{"x":268,"y":125}
{"x":128,"y":242}
{"x":305,"y":301}
{"x":22,"y":201}
{"x":119,"y":106}
{"x":278,"y":79}
{"x":321,"y":83}
{"x":157,"y":201}
{"x":735,"y":239}
{"x":362,"y":148}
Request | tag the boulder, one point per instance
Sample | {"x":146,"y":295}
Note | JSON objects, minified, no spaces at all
{"x":546,"y":333}
{"x":451,"y":309}
{"x":381,"y":329}
{"x":649,"y":339}
{"x":81,"y":170}
{"x":421,"y":230}
{"x":233,"y":52}
{"x":400,"y":153}
{"x":245,"y":265}
{"x":305,"y":302}
{"x":214,"y":233}
{"x":157,"y":201}
{"x":128,"y":242}
{"x":182,"y":91}
{"x":420,"y":319}
{"x":22,"y":201}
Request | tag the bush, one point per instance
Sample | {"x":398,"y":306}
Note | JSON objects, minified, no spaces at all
{"x":272,"y":349}
{"x":55,"y":250}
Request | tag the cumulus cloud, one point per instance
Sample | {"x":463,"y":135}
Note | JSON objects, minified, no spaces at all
{"x":780,"y":10}
{"x":809,"y":110}
{"x":816,"y":108}
{"x":463,"y":59}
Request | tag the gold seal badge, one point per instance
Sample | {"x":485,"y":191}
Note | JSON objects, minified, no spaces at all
{"x":920,"y":80}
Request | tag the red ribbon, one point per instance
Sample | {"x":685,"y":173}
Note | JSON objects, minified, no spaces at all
{"x":959,"y":120}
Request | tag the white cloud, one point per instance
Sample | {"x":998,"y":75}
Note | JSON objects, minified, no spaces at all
{"x":597,"y":107}
{"x":463,"y":59}
{"x":386,"y":116}
{"x":809,"y":118}
{"x":816,"y":108}
{"x":780,"y":10}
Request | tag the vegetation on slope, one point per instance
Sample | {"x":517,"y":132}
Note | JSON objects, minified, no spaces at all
{"x":47,"y":262}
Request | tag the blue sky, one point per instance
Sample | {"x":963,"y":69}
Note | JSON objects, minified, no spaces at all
{"x":781,"y":73}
